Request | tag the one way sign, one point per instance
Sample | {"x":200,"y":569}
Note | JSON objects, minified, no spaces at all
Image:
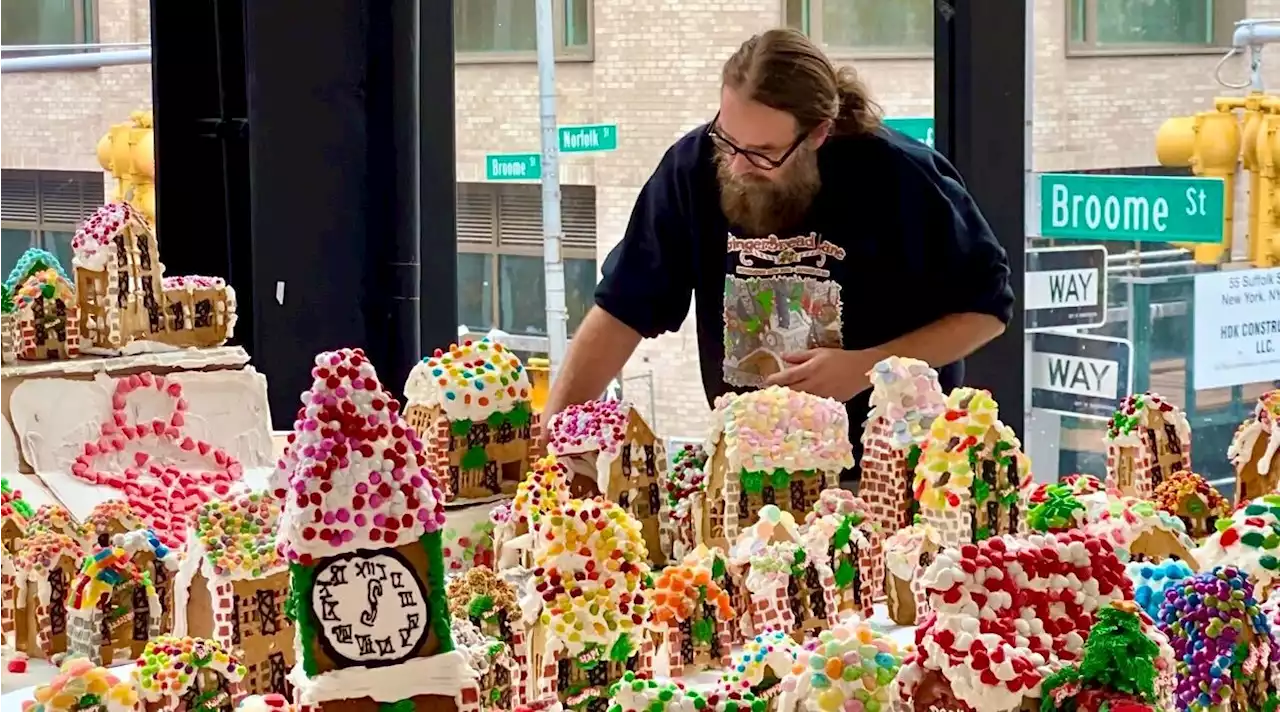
{"x":1083,"y":376}
{"x":1066,"y":287}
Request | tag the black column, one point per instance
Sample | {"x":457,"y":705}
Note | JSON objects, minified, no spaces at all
{"x":979,"y":110}
{"x":201,"y":144}
{"x":332,"y":96}
{"x":437,"y":177}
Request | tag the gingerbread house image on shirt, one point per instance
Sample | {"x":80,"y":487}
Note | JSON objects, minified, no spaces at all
{"x":690,"y":621}
{"x":360,"y":531}
{"x":1148,"y":439}
{"x":108,"y":519}
{"x":188,"y":675}
{"x":905,"y":398}
{"x":973,"y":478}
{"x":44,"y":567}
{"x":44,"y":312}
{"x":773,"y":446}
{"x":1253,"y":450}
{"x":471,"y":406}
{"x":113,"y":609}
{"x":232,"y":585}
{"x":610,"y":450}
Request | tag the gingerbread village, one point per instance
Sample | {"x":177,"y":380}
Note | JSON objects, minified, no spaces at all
{"x":451,"y":549}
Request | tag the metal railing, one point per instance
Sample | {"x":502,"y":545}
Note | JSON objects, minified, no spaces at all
{"x":71,"y":62}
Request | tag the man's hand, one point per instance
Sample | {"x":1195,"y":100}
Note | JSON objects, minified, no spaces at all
{"x":829,"y":373}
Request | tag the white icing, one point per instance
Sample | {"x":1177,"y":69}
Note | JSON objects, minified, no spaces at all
{"x":643,"y":699}
{"x":376,"y":596}
{"x":139,"y":540}
{"x":446,"y":674}
{"x":460,"y":396}
{"x":10,"y":458}
{"x":1262,"y":422}
{"x":151,"y":355}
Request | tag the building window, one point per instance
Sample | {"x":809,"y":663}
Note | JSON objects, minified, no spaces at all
{"x":43,"y":209}
{"x":47,"y":22}
{"x":501,"y":281}
{"x":865,"y":26}
{"x":507,"y":29}
{"x":1152,"y":24}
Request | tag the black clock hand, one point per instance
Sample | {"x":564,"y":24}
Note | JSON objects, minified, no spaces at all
{"x":375,"y":592}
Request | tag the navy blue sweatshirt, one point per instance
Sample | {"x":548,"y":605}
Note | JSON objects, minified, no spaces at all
{"x":892,"y":242}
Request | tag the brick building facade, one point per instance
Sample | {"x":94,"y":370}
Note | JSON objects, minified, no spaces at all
{"x":652,"y":67}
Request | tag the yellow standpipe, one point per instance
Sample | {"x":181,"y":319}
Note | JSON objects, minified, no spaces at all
{"x":540,"y":378}
{"x":127,"y":152}
{"x":1209,"y":143}
{"x":1265,"y":237}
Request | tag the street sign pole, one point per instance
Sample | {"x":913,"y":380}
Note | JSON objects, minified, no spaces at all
{"x":557,"y":313}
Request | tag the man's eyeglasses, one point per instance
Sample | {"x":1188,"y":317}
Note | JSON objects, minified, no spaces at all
{"x":756,"y":158}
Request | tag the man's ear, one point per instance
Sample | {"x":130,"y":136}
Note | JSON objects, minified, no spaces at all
{"x":820,"y":133}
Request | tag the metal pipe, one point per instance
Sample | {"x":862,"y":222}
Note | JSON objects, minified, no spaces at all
{"x":67,"y":62}
{"x":552,"y":230}
{"x":1255,"y":32}
{"x":73,"y":47}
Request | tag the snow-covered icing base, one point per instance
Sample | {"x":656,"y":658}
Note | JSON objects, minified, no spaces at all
{"x":446,"y":674}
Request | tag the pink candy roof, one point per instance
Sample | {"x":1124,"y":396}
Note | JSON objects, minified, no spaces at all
{"x":354,"y":475}
{"x":595,"y":425}
{"x":1040,"y":589}
{"x":103,"y":226}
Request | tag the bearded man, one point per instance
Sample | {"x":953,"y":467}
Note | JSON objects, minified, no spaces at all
{"x":816,"y":240}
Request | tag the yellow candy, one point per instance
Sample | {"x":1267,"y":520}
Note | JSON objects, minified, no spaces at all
{"x":830,"y":700}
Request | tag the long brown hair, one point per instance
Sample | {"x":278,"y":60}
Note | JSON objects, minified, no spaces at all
{"x":784,"y":70}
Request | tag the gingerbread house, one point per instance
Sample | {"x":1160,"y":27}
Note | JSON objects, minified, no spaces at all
{"x":1189,"y":497}
{"x":489,"y":602}
{"x":14,"y":513}
{"x":843,"y":545}
{"x":232,"y":585}
{"x":199,"y":311}
{"x":684,"y":496}
{"x":819,"y":680}
{"x":543,"y":491}
{"x":610,"y":450}
{"x":1141,"y":531}
{"x":1253,"y":450}
{"x":81,"y":686}
{"x":1148,"y":439}
{"x":1055,"y":509}
{"x":731,"y":580}
{"x":8,"y":331}
{"x":160,"y":563}
{"x":188,"y":675}
{"x":491,"y":659}
{"x":635,"y":694}
{"x":690,"y":621}
{"x":55,"y":518}
{"x":360,"y":531}
{"x":759,"y":670}
{"x":1241,"y":669}
{"x":1127,"y":664}
{"x":907,"y":553}
{"x":774,"y":446}
{"x":590,"y":628}
{"x":905,"y":398}
{"x":1084,"y":489}
{"x":471,"y":406}
{"x":112,"y":608}
{"x":46,"y":317}
{"x":973,"y":479}
{"x":108,"y":519}
{"x":44,"y":567}
{"x":1249,"y":540}
{"x":1007,"y":612}
{"x":121,"y":289}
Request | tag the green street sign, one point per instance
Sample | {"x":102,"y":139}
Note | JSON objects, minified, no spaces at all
{"x":513,"y":166}
{"x":1137,"y":208}
{"x":594,"y":137}
{"x":918,"y":127}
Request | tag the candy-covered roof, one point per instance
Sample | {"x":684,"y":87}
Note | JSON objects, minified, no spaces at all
{"x":1127,"y":518}
{"x":480,"y":593}
{"x":354,"y":475}
{"x":1124,"y":426}
{"x":686,"y":478}
{"x":43,"y":550}
{"x":681,"y":590}
{"x":169,"y":666}
{"x":1008,"y":612}
{"x":848,"y":663}
{"x":81,"y":685}
{"x":594,"y":426}
{"x":778,"y":428}
{"x":94,"y":236}
{"x":590,"y":561}
{"x":906,"y":392}
{"x":32,"y":261}
{"x":1183,"y":493}
{"x":773,"y":652}
{"x":544,"y":489}
{"x":731,"y":694}
{"x":54,"y":518}
{"x":944,"y":474}
{"x":1152,"y":578}
{"x":1209,"y":618}
{"x":471,"y":381}
{"x":12,"y":504}
{"x":45,"y":284}
{"x":1077,"y":484}
{"x":237,"y":538}
{"x":101,"y":572}
{"x":1264,"y":420}
{"x":112,"y":511}
{"x":1249,"y":539}
{"x":633,"y":694}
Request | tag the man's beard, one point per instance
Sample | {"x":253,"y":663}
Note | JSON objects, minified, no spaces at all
{"x":763,"y":207}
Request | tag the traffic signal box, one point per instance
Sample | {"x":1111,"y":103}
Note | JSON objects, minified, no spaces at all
{"x":127,"y":152}
{"x":1212,"y":144}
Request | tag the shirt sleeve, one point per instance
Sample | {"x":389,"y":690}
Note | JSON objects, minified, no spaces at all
{"x":970,"y":260}
{"x":646,"y":280}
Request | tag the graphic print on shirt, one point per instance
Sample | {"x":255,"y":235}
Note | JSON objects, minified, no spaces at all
{"x":779,"y":298}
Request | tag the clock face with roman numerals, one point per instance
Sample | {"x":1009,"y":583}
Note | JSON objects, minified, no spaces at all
{"x":371,"y":608}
